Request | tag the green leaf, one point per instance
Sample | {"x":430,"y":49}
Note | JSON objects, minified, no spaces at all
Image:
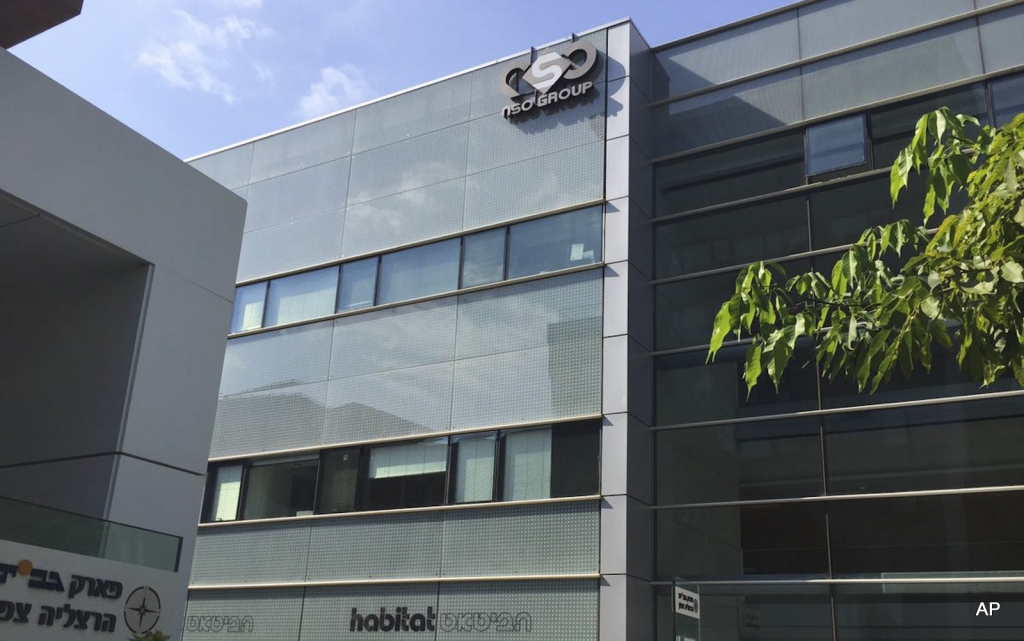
{"x":753,"y":369}
{"x":934,"y":280}
{"x":1012,"y":272}
{"x":725,"y":321}
{"x":930,"y":307}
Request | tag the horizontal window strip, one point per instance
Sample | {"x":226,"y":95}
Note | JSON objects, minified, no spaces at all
{"x":412,"y":580}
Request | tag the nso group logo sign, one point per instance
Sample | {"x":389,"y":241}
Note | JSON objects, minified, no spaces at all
{"x":554,"y":78}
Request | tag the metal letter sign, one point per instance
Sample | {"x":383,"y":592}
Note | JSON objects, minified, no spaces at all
{"x":549,"y":80}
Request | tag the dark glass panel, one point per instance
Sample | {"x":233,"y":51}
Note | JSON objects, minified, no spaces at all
{"x":739,"y":462}
{"x":690,"y":391}
{"x":281,"y":487}
{"x":958,"y":533}
{"x":340,"y":479}
{"x":945,"y":446}
{"x":1007,"y":98}
{"x":729,"y":542}
{"x":763,"y":612}
{"x":483,"y":258}
{"x":405,"y":475}
{"x":685,"y":310}
{"x":893,"y":128}
{"x":738,"y":172}
{"x":734,"y":237}
{"x":575,"y":452}
{"x":928,"y":611}
{"x":553,"y":243}
{"x":835,"y":145}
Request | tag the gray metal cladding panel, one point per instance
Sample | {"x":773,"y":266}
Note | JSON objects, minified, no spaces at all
{"x":413,"y":113}
{"x":302,"y":147}
{"x":271,"y":420}
{"x":300,"y":194}
{"x":748,"y":108}
{"x":390,"y":404}
{"x":539,"y":384}
{"x":495,"y":141}
{"x":410,"y":164}
{"x":892,"y":69}
{"x":267,"y":615}
{"x":256,"y":553}
{"x":407,"y":217}
{"x":396,"y":338}
{"x":562,"y":179}
{"x":519,"y":610}
{"x":523,"y":316}
{"x":327,"y":611}
{"x":293,"y":245}
{"x":1000,"y":38}
{"x":376,"y":547}
{"x":835,"y":24}
{"x":558,"y":538}
{"x":230,"y":168}
{"x":281,"y":358}
{"x":732,"y":54}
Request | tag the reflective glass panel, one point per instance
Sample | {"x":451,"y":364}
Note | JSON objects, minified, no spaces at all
{"x":836,"y":145}
{"x":249,"y":303}
{"x":281,"y":487}
{"x":227,"y":490}
{"x":527,"y":465}
{"x":575,"y":452}
{"x":483,"y":257}
{"x":340,"y":478}
{"x":406,"y":475}
{"x":945,"y":446}
{"x":473,"y":458}
{"x":556,"y":242}
{"x":893,"y":128}
{"x":420,"y":271}
{"x":358,"y":284}
{"x":1007,"y":98}
{"x":731,"y":174}
{"x":957,"y":533}
{"x":739,"y":462}
{"x":840,"y":215}
{"x":302,"y":296}
{"x":740,"y":541}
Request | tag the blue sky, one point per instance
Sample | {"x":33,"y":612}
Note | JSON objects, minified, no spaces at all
{"x":196,"y":75}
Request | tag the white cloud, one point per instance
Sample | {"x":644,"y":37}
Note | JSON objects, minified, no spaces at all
{"x":264,"y":73}
{"x":338,"y":87}
{"x":243,"y":4}
{"x":202,"y":52}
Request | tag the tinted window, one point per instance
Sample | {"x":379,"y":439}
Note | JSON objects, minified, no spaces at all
{"x":556,"y":242}
{"x":225,"y":494}
{"x":893,"y":128}
{"x":483,"y":258}
{"x":358,"y":284}
{"x":406,"y":475}
{"x":420,"y":271}
{"x":248,"y":310}
{"x":836,"y":145}
{"x":302,"y":296}
{"x":281,"y":487}
{"x":473,"y":459}
{"x":340,"y":479}
{"x":1007,"y":99}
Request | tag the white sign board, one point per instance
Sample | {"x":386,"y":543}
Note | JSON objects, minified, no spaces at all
{"x":687,"y":603}
{"x":47,"y":595}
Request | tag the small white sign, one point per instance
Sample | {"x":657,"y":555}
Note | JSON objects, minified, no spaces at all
{"x":687,"y":603}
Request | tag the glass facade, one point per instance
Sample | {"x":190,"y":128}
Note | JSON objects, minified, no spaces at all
{"x":451,"y":359}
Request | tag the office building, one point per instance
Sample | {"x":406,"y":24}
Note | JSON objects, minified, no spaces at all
{"x":465,"y":391}
{"x":117,"y":263}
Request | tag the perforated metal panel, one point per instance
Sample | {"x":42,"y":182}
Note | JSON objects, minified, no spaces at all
{"x":389,"y":404}
{"x":328,"y":612}
{"x":495,"y":142}
{"x":300,"y":243}
{"x":276,"y":419}
{"x":230,"y":168}
{"x":487,"y":96}
{"x":1000,"y":38}
{"x":299,"y":194}
{"x":537,"y":384}
{"x":411,"y":114}
{"x":282,"y":358}
{"x":407,"y":217}
{"x":303,"y":147}
{"x":410,"y":164}
{"x":560,"y":538}
{"x":376,"y":547}
{"x":251,"y":553}
{"x":561,"y":179}
{"x":395,"y":338}
{"x":519,"y":610}
{"x":524,"y":316}
{"x":267,"y":615}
